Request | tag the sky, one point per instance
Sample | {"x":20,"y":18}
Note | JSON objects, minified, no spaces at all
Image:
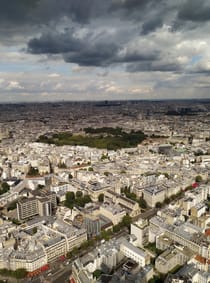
{"x":104,"y":49}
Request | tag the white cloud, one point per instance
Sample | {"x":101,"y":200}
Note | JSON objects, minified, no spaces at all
{"x":14,"y":85}
{"x":54,"y":75}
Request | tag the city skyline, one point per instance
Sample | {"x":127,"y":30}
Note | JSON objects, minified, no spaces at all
{"x":104,"y":50}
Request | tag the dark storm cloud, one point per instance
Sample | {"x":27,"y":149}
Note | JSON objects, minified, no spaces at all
{"x":55,"y":43}
{"x":102,"y":51}
{"x":140,"y":12}
{"x":86,"y":51}
{"x":150,"y":13}
{"x":129,"y":5}
{"x":134,"y":6}
{"x":151,"y":25}
{"x":44,"y":11}
{"x":195,"y":11}
{"x":124,"y":23}
{"x":16,"y":11}
{"x":90,"y":50}
{"x":97,"y":55}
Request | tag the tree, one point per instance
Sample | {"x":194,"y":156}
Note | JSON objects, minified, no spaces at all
{"x":158,"y":205}
{"x":70,"y":199}
{"x":116,"y":228}
{"x":34,"y":230}
{"x":70,"y":176}
{"x":198,"y":179}
{"x":5,"y":186}
{"x":73,"y":252}
{"x":101,"y":198}
{"x":87,"y":199}
{"x":70,"y":196}
{"x":16,"y":221}
{"x":167,"y":201}
{"x":106,"y":234}
{"x":79,"y":194}
{"x":126,"y":221}
{"x":20,"y":273}
{"x":188,"y":188}
{"x":12,"y":205}
{"x":156,"y":279}
{"x":104,"y":156}
{"x":40,"y":187}
{"x":79,"y":200}
{"x":97,"y":273}
{"x":142,"y":203}
{"x":127,"y":191}
{"x":33,"y":172}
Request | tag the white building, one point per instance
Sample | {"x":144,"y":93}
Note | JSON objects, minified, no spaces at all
{"x":136,"y":254}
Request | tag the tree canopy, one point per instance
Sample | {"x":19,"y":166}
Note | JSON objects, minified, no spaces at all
{"x":106,"y":137}
{"x":79,"y":199}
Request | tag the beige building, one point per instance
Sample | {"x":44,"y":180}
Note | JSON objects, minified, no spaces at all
{"x":141,"y":230}
{"x":130,"y":206}
{"x":186,"y":234}
{"x":95,"y":189}
{"x":55,"y":247}
{"x":112,"y":211}
{"x":153,"y":195}
{"x":170,"y":259}
{"x":198,"y":210}
{"x":28,"y":254}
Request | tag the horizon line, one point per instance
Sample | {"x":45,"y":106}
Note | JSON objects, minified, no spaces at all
{"x":105,"y":100}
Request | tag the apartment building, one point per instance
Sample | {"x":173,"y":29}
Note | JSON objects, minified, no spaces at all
{"x":41,"y":203}
{"x":171,"y":258}
{"x":153,"y":195}
{"x":112,"y":211}
{"x":27,"y":208}
{"x":185,"y":234}
{"x":140,"y":229}
{"x":129,"y":205}
{"x":136,"y":254}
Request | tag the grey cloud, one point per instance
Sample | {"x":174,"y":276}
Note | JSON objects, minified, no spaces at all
{"x":87,"y":51}
{"x":16,"y":11}
{"x":91,"y":50}
{"x":96,"y":55}
{"x":157,"y":66}
{"x":54,"y":43}
{"x":122,"y":23}
{"x":129,"y":4}
{"x":195,"y":11}
{"x":44,"y":11}
{"x":141,"y":56}
{"x":134,"y":6}
{"x":151,"y":25}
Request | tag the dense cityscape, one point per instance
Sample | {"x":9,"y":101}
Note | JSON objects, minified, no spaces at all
{"x":88,"y":214}
{"x":104,"y":141}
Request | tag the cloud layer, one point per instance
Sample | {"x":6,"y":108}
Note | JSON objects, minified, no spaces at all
{"x":147,"y":48}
